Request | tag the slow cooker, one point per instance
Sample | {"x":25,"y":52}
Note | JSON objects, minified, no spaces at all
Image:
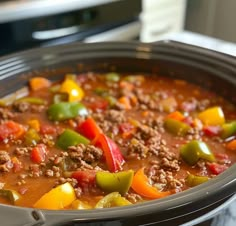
{"x":204,"y":67}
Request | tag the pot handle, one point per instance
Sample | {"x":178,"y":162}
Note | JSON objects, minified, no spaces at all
{"x":15,"y":216}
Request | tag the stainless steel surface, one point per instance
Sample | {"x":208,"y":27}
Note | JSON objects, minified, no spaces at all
{"x":24,"y":9}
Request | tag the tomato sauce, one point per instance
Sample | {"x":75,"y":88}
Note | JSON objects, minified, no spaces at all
{"x":99,"y":136}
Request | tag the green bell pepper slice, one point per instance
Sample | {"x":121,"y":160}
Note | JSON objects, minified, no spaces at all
{"x":176,"y":127}
{"x":193,"y":180}
{"x":66,"y":110}
{"x":112,"y":77}
{"x":11,"y":195}
{"x":111,"y":182}
{"x":111,"y":200}
{"x":31,"y":100}
{"x":195,"y":150}
{"x":70,"y":138}
{"x":228,"y":129}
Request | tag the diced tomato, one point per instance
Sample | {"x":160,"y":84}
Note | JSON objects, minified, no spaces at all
{"x":89,"y":128}
{"x":85,"y":178}
{"x":82,"y":78}
{"x":188,"y":106}
{"x":126,"y":129}
{"x":212,"y":130}
{"x":176,"y":115}
{"x":11,"y":129}
{"x":231,"y":145}
{"x":39,"y":153}
{"x":188,"y":120}
{"x":98,"y":105}
{"x":216,"y":168}
{"x":113,"y":155}
{"x":47,"y":129}
{"x":221,"y":156}
{"x":17,"y":164}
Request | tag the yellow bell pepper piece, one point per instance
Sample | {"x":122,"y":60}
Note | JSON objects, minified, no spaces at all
{"x":80,"y":205}
{"x":58,"y":198}
{"x":212,"y":116}
{"x":74,"y":91}
{"x":34,"y":124}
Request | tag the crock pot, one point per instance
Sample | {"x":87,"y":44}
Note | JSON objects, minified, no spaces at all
{"x":207,"y":68}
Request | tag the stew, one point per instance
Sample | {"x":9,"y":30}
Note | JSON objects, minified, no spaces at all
{"x":98,"y":140}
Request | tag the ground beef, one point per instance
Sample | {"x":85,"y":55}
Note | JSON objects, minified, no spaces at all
{"x":203,"y":104}
{"x":193,"y":134}
{"x":1,"y":185}
{"x":145,"y":132}
{"x":4,"y":157}
{"x":48,"y":140}
{"x":115,"y":116}
{"x":24,"y":107}
{"x":143,"y":98}
{"x":21,"y":107}
{"x":4,"y":168}
{"x":105,"y":125}
{"x":136,"y":150}
{"x":35,"y":170}
{"x":49,"y":173}
{"x":168,"y":159}
{"x":23,"y":151}
{"x":6,"y":114}
{"x":87,"y":153}
{"x":201,"y":164}
{"x":172,"y":165}
{"x":163,"y":179}
{"x":63,"y":180}
{"x":78,"y":192}
{"x":154,"y":145}
{"x":133,"y":198}
{"x":37,"y":108}
{"x":80,"y":157}
{"x":156,"y":123}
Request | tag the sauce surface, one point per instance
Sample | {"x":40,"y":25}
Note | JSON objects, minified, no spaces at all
{"x":102,"y":140}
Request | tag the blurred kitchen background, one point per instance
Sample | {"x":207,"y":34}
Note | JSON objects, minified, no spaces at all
{"x":32,"y":23}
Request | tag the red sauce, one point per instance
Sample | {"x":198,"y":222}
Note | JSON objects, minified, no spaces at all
{"x":131,"y":113}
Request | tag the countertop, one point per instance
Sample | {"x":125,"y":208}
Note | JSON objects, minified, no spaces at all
{"x":204,"y":41}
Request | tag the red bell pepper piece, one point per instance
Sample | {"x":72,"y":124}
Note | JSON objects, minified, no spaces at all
{"x":99,"y":105}
{"x":216,"y":168}
{"x":89,"y":128}
{"x":212,"y":130}
{"x":85,"y":178}
{"x":113,"y":155}
{"x":126,"y":129}
{"x":48,"y":129}
{"x":11,"y":128}
{"x":39,"y":153}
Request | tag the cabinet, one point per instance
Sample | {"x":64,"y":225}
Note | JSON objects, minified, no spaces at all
{"x":160,"y":18}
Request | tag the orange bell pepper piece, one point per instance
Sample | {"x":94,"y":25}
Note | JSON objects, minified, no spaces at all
{"x":231,"y":145}
{"x":142,"y":187}
{"x":176,"y":115}
{"x":125,"y":102}
{"x":11,"y":129}
{"x":37,"y":83}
